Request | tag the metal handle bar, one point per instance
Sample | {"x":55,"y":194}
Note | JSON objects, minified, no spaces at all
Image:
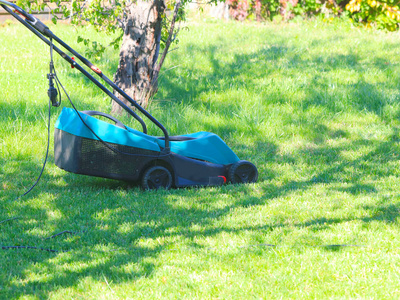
{"x":82,"y":70}
{"x":34,"y":24}
{"x":19,"y":9}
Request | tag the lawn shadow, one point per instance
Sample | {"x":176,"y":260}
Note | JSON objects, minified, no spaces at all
{"x":108,"y":222}
{"x":111,"y":220}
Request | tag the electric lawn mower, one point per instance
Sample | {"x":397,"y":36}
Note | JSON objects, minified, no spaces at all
{"x":84,"y":144}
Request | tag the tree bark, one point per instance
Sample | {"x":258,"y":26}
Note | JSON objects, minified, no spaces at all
{"x":139,"y":52}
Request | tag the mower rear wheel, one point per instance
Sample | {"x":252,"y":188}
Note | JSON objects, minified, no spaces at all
{"x":155,"y":178}
{"x":243,"y":171}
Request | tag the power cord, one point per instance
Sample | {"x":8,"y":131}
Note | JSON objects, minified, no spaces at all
{"x":52,"y":93}
{"x":45,"y":159}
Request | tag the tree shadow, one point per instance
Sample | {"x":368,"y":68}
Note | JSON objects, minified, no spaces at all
{"x":110,"y":219}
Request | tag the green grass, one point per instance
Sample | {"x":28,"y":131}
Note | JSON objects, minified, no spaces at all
{"x":315,"y":106}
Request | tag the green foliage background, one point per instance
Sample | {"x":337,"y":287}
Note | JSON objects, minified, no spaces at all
{"x":379,"y":14}
{"x":103,"y":16}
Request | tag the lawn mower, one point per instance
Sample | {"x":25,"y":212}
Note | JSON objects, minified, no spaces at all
{"x":86,"y":144}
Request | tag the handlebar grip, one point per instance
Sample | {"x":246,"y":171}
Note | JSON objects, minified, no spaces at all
{"x":118,"y":123}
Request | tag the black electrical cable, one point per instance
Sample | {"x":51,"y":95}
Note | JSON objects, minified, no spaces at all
{"x":46,"y":157}
{"x":48,"y":135}
{"x":53,"y":71}
{"x":32,"y":247}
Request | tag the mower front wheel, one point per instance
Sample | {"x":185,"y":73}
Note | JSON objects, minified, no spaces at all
{"x":243,"y":171}
{"x":155,"y":178}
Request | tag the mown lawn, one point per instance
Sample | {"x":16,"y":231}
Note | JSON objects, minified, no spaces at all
{"x":315,"y":106}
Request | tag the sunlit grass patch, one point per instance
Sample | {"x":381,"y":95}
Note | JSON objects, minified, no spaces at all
{"x":314,"y":106}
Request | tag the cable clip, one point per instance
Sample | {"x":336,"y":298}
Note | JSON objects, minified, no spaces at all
{"x":73,"y":65}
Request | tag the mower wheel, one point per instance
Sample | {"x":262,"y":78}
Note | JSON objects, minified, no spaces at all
{"x":243,"y":171}
{"x":156,"y":177}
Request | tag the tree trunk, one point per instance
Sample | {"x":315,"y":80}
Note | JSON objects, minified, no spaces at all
{"x":139,"y":52}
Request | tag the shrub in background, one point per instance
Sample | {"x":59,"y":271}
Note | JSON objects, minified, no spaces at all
{"x":238,"y":9}
{"x":382,"y":14}
{"x":270,"y":9}
{"x":280,"y":9}
{"x":310,"y":8}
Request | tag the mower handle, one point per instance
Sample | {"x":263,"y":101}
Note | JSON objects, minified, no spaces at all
{"x":18,"y":9}
{"x":35,"y":22}
{"x":37,"y":27}
{"x":118,"y":123}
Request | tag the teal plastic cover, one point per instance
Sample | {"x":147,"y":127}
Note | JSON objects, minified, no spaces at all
{"x":205,"y":145}
{"x":70,"y":122}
